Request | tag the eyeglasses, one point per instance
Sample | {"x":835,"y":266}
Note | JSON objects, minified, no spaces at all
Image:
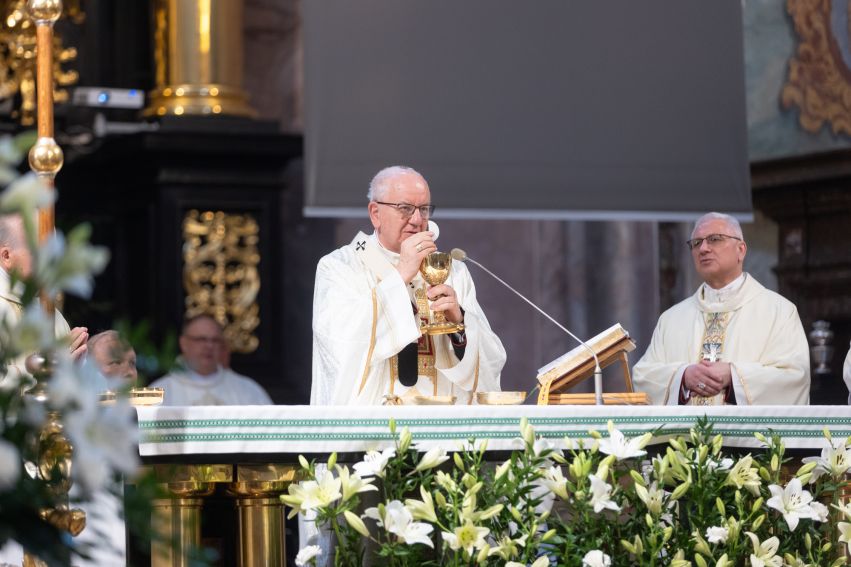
{"x":407,"y":209}
{"x":215,"y":341}
{"x":713,"y":240}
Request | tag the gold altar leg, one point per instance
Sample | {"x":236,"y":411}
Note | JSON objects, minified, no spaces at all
{"x":261,"y":513}
{"x":261,"y":532}
{"x":178,"y":523}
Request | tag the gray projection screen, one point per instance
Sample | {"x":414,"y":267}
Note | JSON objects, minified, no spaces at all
{"x":593,"y":109}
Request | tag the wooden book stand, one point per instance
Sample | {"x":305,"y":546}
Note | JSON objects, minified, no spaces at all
{"x":611,"y":346}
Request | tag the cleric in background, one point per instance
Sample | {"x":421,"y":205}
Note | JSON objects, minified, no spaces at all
{"x":369,"y":301}
{"x":733,"y":341}
{"x":202,"y":381}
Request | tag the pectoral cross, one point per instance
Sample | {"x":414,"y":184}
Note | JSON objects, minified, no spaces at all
{"x":711,"y":352}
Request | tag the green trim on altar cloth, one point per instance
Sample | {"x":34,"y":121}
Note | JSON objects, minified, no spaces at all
{"x":302,"y":429}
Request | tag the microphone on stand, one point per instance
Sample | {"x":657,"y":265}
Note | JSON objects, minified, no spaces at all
{"x":461,"y":256}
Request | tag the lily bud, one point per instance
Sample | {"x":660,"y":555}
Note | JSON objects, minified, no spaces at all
{"x":808,"y":541}
{"x":637,"y":478}
{"x":758,"y":522}
{"x":628,"y":546}
{"x":700,"y":561}
{"x":501,"y":470}
{"x":548,"y":535}
{"x":440,"y":499}
{"x":303,"y":462}
{"x":356,"y":523}
{"x":719,"y":505}
{"x":483,"y":554}
{"x":680,"y":490}
{"x":405,"y":439}
{"x":332,"y":460}
{"x":775,"y":463}
{"x":757,"y":505}
{"x":392,"y":425}
{"x":459,"y":463}
{"x":760,"y":437}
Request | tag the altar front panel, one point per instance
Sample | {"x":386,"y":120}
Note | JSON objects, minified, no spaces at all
{"x":242,"y":430}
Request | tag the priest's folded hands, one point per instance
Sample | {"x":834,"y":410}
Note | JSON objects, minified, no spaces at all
{"x":708,"y":378}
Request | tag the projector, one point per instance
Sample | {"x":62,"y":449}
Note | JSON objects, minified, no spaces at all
{"x":109,"y":98}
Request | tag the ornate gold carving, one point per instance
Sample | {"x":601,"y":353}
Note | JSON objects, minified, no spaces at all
{"x":220,"y":274}
{"x":819,"y":82}
{"x":18,"y":56}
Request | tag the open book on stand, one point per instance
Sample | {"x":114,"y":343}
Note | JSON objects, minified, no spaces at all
{"x":571,"y":368}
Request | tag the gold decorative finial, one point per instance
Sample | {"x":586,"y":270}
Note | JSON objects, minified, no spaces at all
{"x":46,"y":157}
{"x":44,"y":11}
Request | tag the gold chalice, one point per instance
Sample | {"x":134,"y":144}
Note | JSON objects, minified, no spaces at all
{"x":435,"y":271}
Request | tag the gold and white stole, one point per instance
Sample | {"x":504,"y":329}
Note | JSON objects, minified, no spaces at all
{"x":370,"y":254}
{"x":714,"y":333}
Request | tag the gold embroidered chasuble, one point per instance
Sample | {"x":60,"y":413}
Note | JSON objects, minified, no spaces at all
{"x":763,"y":340}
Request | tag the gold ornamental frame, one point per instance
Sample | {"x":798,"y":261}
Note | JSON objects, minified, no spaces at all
{"x":819,"y":81}
{"x":220,"y":273}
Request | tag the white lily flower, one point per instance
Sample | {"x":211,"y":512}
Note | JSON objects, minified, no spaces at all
{"x":793,"y":502}
{"x":554,"y":480}
{"x":10,"y":465}
{"x":468,"y":537}
{"x":717,"y":534}
{"x":744,"y":475}
{"x":765,"y":553}
{"x":540,"y":445}
{"x":308,"y":555}
{"x":596,"y":558}
{"x":600,"y":492}
{"x":835,"y":460}
{"x":26,"y":194}
{"x":432,"y":458}
{"x":34,"y":332}
{"x":844,"y":533}
{"x":422,"y":510}
{"x":313,"y":494}
{"x":622,"y":448}
{"x":653,"y":497}
{"x":374,"y":462}
{"x":352,"y":484}
{"x":399,"y":520}
{"x":69,"y":265}
{"x":821,"y":513}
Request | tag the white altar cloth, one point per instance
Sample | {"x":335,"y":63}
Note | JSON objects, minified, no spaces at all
{"x":217,"y":430}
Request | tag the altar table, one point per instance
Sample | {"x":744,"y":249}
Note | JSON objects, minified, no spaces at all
{"x":250,"y":453}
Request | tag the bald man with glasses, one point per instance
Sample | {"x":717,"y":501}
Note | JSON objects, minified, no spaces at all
{"x":201,"y":380}
{"x":370,"y":300}
{"x":733,"y":341}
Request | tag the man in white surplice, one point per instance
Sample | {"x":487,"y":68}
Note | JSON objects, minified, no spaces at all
{"x":370,"y":299}
{"x":731,"y":342}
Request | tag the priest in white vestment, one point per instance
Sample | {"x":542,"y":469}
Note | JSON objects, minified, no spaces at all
{"x":203,"y":381}
{"x":733,"y":341}
{"x":370,"y":300}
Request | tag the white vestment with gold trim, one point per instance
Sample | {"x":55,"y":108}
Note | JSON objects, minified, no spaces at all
{"x":363,"y":317}
{"x":764,"y":342}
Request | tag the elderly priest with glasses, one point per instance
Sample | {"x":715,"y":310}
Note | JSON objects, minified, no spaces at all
{"x":732,"y":342}
{"x":370,"y":301}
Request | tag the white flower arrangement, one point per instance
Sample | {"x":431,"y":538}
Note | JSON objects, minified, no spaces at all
{"x":104,"y":439}
{"x":568,"y":504}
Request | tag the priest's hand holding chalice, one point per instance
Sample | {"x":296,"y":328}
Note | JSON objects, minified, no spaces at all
{"x":435,"y":270}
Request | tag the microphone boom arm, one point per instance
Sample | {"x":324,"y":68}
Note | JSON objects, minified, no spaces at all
{"x":459,"y":254}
